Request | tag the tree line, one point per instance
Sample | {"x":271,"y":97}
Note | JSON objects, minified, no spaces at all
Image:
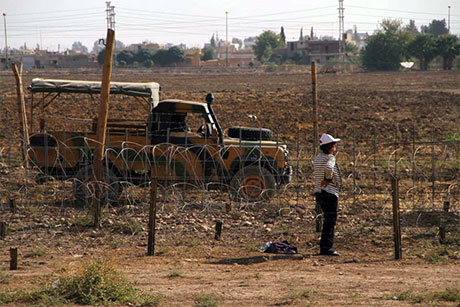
{"x":394,"y":43}
{"x":146,"y":58}
{"x":390,"y":45}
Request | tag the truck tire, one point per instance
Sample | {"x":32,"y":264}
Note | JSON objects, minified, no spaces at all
{"x":250,"y":134}
{"x":84,"y":187}
{"x":252,"y":184}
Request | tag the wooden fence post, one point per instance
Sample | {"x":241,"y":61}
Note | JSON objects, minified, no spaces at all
{"x":314,"y":96}
{"x":2,"y":230}
{"x":396,"y":218}
{"x":218,"y":230}
{"x":152,"y":214}
{"x":22,"y":112}
{"x":12,"y":205}
{"x":13,"y":258}
{"x":102,"y":125}
{"x":442,"y":222}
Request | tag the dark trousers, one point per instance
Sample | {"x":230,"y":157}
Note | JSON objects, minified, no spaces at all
{"x":328,"y":203}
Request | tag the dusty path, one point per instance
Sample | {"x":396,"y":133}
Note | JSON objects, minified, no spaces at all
{"x":254,"y":281}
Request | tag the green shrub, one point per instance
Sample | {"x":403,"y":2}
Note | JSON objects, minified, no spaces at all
{"x":206,"y":300}
{"x":128,"y":225}
{"x":271,"y":67}
{"x":447,"y":295}
{"x":36,"y":252}
{"x":95,"y":283}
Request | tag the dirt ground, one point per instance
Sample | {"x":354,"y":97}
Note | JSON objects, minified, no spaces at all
{"x":189,"y":261}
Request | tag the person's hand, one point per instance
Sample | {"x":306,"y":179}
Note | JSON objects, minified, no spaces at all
{"x":324,"y":183}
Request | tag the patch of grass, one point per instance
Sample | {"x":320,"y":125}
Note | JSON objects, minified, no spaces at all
{"x":128,"y":225}
{"x":36,"y":252}
{"x":96,"y":283}
{"x":84,"y":221}
{"x":299,"y":294}
{"x":40,"y":297}
{"x":447,"y":295}
{"x":252,"y":247}
{"x":453,"y":137}
{"x":161,"y":251}
{"x":407,"y":295}
{"x":453,"y":238}
{"x":175,"y":273}
{"x":206,"y":300}
{"x":5,"y":278}
{"x":440,"y":254}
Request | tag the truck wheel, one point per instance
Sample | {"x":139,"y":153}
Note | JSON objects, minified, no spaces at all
{"x":252,"y":184}
{"x":84,"y":187}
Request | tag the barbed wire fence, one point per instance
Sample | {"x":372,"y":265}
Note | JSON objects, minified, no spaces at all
{"x":427,"y":168}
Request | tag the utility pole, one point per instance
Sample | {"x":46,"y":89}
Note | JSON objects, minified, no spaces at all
{"x":6,"y":42}
{"x":341,"y":29}
{"x":448,"y":20}
{"x":226,"y":38}
{"x":110,"y":15}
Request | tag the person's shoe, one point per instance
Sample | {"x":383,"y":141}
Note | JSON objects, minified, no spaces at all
{"x":329,"y":252}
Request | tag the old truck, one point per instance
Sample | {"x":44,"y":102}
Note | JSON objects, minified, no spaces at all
{"x":181,"y":141}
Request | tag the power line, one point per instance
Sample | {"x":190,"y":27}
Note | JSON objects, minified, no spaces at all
{"x":399,"y":11}
{"x":52,"y":12}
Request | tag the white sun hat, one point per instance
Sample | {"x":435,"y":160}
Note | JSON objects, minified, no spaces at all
{"x":326,"y":139}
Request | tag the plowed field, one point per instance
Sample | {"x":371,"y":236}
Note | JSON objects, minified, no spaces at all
{"x":189,"y":262}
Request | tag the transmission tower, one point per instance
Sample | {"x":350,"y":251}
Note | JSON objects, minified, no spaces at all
{"x":341,"y":27}
{"x":110,"y":13}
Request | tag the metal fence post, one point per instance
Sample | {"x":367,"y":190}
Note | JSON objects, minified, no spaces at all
{"x":442,"y":222}
{"x":396,"y":218}
{"x":152,"y":215}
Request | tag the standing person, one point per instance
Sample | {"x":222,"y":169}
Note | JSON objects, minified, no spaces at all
{"x":328,"y":182}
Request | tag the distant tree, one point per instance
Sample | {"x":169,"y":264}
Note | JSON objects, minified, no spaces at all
{"x":161,"y":57}
{"x":175,"y":55}
{"x":283,"y":37}
{"x":423,"y":47}
{"x":168,"y":57}
{"x":101,"y":56}
{"x":78,"y":46}
{"x":385,"y":48}
{"x":297,"y":57}
{"x":208,"y":53}
{"x":391,"y":26}
{"x":435,"y":28}
{"x":265,"y":43}
{"x":142,"y":56}
{"x":382,"y":52}
{"x":148,"y":63}
{"x":411,"y":28}
{"x":301,"y":37}
{"x":126,"y":56}
{"x":277,"y":58}
{"x":351,"y":48}
{"x":448,"y":48}
{"x":96,"y":47}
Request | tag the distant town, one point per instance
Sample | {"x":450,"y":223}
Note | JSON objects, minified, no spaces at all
{"x":392,"y":44}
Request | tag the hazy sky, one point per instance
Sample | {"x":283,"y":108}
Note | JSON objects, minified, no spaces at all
{"x":54,"y":22}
